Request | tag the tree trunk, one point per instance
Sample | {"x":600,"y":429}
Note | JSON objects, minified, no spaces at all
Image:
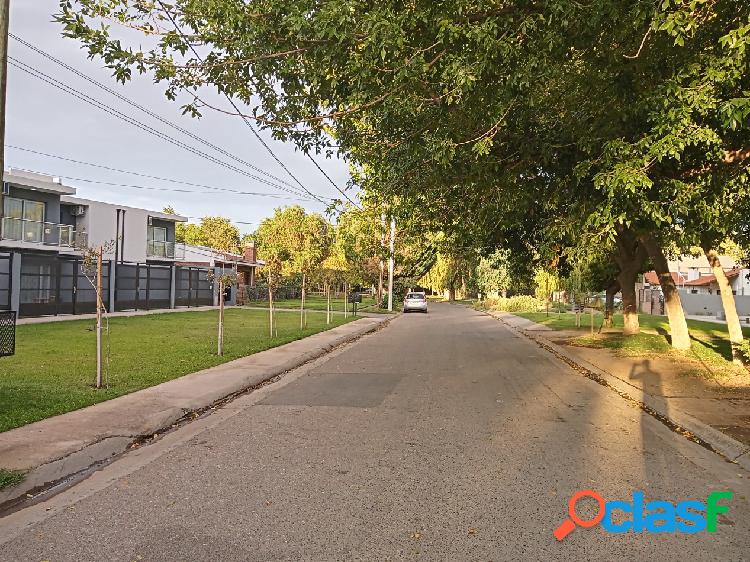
{"x":629,"y":257}
{"x":609,"y":305}
{"x":302,"y":306}
{"x":220,"y":346}
{"x":727,"y":301}
{"x":270,"y":306}
{"x":328,"y":304}
{"x":451,"y":293}
{"x":380,"y":283}
{"x":672,"y":303}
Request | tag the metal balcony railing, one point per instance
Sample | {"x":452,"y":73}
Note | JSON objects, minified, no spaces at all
{"x":166,"y":250}
{"x":37,"y":232}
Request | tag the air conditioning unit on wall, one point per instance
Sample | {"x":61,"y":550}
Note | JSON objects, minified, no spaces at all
{"x":151,"y":221}
{"x":78,"y":211}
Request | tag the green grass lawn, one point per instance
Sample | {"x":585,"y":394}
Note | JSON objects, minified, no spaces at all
{"x":710,"y":340}
{"x":54,"y":367}
{"x":317,"y":302}
{"x":10,"y":478}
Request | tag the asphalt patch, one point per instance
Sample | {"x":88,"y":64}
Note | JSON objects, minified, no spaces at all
{"x":351,"y":390}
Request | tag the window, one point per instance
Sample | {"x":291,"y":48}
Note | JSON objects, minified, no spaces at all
{"x":157,"y":242}
{"x":23,"y":219}
{"x":158,"y":234}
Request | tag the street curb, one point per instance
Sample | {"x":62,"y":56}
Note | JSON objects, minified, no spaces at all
{"x":680,"y":422}
{"x":97,"y":452}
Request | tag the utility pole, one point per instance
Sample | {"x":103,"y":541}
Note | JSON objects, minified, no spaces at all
{"x":99,"y":305}
{"x":390,"y":265}
{"x":4,"y":18}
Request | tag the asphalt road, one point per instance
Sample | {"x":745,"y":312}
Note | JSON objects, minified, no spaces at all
{"x":442,"y":437}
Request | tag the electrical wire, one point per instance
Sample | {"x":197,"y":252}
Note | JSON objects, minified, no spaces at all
{"x":144,"y":109}
{"x":146,"y":128}
{"x":177,"y":190}
{"x":132,"y":173}
{"x":244,"y":118}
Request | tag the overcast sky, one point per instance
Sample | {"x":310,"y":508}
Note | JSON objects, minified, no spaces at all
{"x":44,"y":119}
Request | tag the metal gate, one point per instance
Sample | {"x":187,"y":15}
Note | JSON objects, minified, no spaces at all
{"x":5,"y":265}
{"x":193,"y":287}
{"x":140,"y":286}
{"x":52,"y":285}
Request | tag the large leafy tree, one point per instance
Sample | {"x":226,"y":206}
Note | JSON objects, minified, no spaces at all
{"x":613,"y":117}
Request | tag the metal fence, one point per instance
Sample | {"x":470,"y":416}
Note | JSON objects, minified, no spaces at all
{"x":7,"y":333}
{"x":193,"y":287}
{"x":52,"y":285}
{"x":5,"y":264}
{"x":142,"y":286}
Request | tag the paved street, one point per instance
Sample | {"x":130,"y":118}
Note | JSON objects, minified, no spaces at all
{"x":442,"y":437}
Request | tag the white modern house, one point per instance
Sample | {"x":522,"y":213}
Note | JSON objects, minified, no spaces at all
{"x":44,"y":226}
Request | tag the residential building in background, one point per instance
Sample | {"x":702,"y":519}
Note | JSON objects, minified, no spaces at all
{"x":44,"y":227}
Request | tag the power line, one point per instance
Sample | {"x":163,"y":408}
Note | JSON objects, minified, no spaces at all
{"x":322,"y":171}
{"x":130,"y":120}
{"x":245,"y":119}
{"x":144,"y":109}
{"x":151,"y":188}
{"x":139,"y":174}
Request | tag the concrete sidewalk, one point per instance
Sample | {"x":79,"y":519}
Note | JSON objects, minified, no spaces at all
{"x":714,"y":410}
{"x":62,"y":446}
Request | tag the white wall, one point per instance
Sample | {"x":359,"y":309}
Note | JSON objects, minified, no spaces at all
{"x":711,"y":304}
{"x":100,"y":224}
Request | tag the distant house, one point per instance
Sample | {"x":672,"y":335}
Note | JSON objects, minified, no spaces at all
{"x":707,"y":285}
{"x":245,"y":265}
{"x":694,"y":274}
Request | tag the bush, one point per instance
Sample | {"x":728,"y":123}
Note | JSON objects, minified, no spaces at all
{"x":520,"y":303}
{"x":745,"y":351}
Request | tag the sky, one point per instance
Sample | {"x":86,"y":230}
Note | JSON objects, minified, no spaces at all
{"x":41,"y":118}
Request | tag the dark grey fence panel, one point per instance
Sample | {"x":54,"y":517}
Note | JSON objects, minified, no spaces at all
{"x":5,"y":263}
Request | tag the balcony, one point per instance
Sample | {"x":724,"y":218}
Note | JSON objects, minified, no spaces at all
{"x":43,"y":233}
{"x":165,"y":250}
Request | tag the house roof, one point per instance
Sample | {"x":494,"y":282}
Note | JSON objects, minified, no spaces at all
{"x":156,"y":214}
{"x":652,"y":278}
{"x":37,"y":182}
{"x":706,"y":280}
{"x":194,"y":253}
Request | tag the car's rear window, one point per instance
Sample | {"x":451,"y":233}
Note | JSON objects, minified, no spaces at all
{"x":415,"y":296}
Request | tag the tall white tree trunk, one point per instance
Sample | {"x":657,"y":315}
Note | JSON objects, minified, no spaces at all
{"x":99,"y":307}
{"x":672,"y":302}
{"x":728,"y":302}
{"x":302,"y":306}
{"x":220,"y":346}
{"x":270,"y":306}
{"x":328,"y":304}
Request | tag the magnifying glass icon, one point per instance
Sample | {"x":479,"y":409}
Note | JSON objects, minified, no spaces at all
{"x":569,"y":524}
